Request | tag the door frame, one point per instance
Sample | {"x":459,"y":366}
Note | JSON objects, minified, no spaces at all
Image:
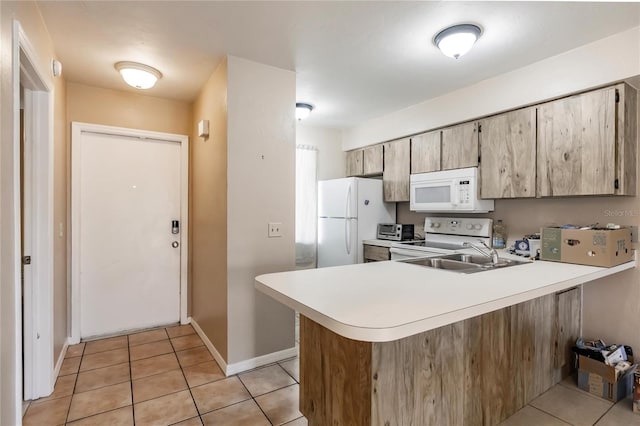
{"x":76,"y":132}
{"x":36,"y":371}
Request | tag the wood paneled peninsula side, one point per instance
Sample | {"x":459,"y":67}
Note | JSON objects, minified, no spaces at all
{"x":389,"y":343}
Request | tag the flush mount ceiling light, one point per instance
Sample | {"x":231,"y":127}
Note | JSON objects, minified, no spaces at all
{"x":457,"y":40}
{"x":138,"y":75}
{"x":303,"y":110}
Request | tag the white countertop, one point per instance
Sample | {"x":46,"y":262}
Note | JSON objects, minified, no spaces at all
{"x":385,"y":301}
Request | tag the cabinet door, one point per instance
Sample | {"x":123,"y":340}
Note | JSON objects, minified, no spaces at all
{"x":375,"y":253}
{"x":425,"y":152}
{"x":507,"y":155}
{"x":373,"y":160}
{"x":355,"y":163}
{"x":626,"y":139}
{"x":567,"y":328}
{"x":576,"y":145}
{"x":395,"y":179}
{"x":460,"y":146}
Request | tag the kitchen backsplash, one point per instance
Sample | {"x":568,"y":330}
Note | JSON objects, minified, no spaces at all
{"x":526,"y":216}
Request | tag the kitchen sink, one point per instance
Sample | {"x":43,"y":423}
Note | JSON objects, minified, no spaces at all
{"x":463,"y":263}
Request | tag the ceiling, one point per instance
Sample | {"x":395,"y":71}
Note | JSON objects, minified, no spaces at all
{"x":354,"y":60}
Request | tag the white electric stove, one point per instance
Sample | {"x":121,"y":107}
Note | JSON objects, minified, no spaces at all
{"x":444,"y":235}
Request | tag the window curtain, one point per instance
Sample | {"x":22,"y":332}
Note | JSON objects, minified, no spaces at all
{"x":306,"y":204}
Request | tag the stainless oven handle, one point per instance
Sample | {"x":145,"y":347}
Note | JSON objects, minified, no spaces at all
{"x":407,"y":252}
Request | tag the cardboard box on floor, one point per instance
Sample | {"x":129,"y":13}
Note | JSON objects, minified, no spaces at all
{"x":600,"y":379}
{"x":593,"y":247}
{"x":636,"y":392}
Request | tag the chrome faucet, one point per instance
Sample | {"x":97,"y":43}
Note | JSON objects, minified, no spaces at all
{"x":484,"y":249}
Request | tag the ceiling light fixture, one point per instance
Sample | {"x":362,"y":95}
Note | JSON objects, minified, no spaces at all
{"x":138,"y":75}
{"x":457,"y":40}
{"x":303,"y":110}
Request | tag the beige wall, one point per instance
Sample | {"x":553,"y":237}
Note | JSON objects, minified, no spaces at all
{"x":604,"y":61}
{"x":331,"y":158}
{"x":261,"y":189}
{"x":60,"y":219}
{"x":208,"y":211}
{"x":29,"y":17}
{"x":108,"y":107}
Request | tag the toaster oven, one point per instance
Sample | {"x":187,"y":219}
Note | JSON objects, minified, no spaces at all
{"x":395,"y":232}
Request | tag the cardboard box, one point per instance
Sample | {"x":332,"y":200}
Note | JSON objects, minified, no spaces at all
{"x":600,"y":379}
{"x":594,"y":247}
{"x":636,"y":392}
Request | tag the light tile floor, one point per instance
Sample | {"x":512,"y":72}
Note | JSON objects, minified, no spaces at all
{"x":161,"y":377}
{"x":167,"y":376}
{"x":565,"y":404}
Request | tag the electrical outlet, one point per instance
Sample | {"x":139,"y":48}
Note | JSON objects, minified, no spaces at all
{"x":275,"y":229}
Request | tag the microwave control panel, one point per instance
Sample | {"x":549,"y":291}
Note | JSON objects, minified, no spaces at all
{"x":464,"y":191}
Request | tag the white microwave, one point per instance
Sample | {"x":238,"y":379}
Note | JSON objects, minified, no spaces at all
{"x":448,"y":191}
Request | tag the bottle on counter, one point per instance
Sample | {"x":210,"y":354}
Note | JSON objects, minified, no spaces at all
{"x":499,"y":235}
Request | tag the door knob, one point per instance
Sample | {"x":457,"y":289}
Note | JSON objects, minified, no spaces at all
{"x":175,"y":244}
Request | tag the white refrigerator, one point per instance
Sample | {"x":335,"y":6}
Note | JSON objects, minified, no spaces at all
{"x":349,"y":211}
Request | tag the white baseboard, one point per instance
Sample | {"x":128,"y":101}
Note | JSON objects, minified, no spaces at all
{"x":214,"y":352}
{"x":63,"y":353}
{"x":259,"y":361}
{"x":239,"y":367}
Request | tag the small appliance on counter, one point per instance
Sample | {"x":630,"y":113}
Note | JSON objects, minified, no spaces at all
{"x":395,"y":231}
{"x":528,"y":246}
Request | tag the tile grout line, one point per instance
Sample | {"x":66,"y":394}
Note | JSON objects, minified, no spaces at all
{"x":66,"y":418}
{"x":185,"y":379}
{"x":253,"y":398}
{"x":549,"y":414}
{"x":133,"y":408}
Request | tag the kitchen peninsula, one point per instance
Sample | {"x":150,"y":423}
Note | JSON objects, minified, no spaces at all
{"x":390,"y":343}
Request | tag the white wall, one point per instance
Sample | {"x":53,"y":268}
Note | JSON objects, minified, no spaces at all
{"x":607,"y":60}
{"x":331,"y":158}
{"x":261,"y":143}
{"x":28,"y":15}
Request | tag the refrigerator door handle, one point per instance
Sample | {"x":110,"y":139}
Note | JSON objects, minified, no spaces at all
{"x":347,"y":225}
{"x":347,"y":204}
{"x":347,"y":236}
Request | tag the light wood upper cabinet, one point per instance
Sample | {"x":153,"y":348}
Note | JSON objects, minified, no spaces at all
{"x":395,"y":178}
{"x":425,"y":152}
{"x":460,"y":146}
{"x":507,"y":155}
{"x":577,"y":144}
{"x":373,"y":160}
{"x":355,"y":163}
{"x":626,"y":139}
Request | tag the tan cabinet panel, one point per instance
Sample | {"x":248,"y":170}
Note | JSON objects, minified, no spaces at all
{"x":375,"y":253}
{"x":355,"y":163}
{"x":508,"y":155}
{"x":627,"y":139}
{"x":395,"y":179}
{"x":425,"y":152}
{"x":373,"y":160}
{"x":576,"y":145}
{"x":460,"y":146}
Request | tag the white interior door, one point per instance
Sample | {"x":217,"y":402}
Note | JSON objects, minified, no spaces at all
{"x":129,"y":259}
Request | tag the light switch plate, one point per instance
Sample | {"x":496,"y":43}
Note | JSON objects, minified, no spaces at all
{"x":275,"y":229}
